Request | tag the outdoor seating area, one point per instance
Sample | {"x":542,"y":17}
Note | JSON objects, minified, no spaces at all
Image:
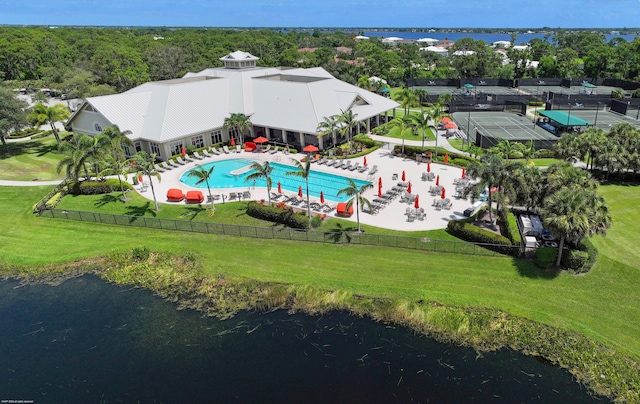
{"x":194,"y":197}
{"x":343,"y":210}
{"x":175,"y":195}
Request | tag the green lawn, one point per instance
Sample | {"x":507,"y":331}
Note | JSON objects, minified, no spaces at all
{"x":603,"y":305}
{"x":29,"y":160}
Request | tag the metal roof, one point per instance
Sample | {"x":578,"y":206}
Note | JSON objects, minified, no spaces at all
{"x":564,"y":118}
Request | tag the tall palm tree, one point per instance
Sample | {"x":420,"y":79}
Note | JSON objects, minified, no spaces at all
{"x":436,"y":114}
{"x":526,"y":187}
{"x":565,"y":175}
{"x":262,"y":170}
{"x":117,"y":167}
{"x":330,"y":125}
{"x":145,"y":165}
{"x":572,"y":213}
{"x":348,"y":120}
{"x":591,"y":142}
{"x":41,"y":114}
{"x":303,"y":170}
{"x":406,"y":98}
{"x":203,"y":175}
{"x":363,"y":82}
{"x":238,"y":122}
{"x":74,"y":161}
{"x":95,"y":148}
{"x":355,"y":193}
{"x":421,"y":120}
{"x":570,"y":147}
{"x":402,"y":123}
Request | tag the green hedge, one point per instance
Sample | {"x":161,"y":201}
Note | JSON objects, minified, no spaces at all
{"x":98,"y":187}
{"x":592,"y":252}
{"x":574,"y":259}
{"x":511,"y":228}
{"x":42,"y":134}
{"x":277,"y":215}
{"x":18,"y":134}
{"x":546,"y":257}
{"x":469,"y":232}
{"x":455,"y":159}
{"x":545,"y":153}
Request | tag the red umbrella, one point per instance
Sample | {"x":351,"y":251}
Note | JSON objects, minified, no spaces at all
{"x":437,"y":180}
{"x":184,"y":152}
{"x":233,"y":141}
{"x":463,"y":173}
{"x":416,"y":203}
{"x":442,"y":194}
{"x":428,"y":167}
{"x":380,"y":182}
{"x":446,"y":157}
{"x":409,"y":187}
{"x":260,"y":139}
{"x":279,"y":187}
{"x":140,"y":178}
{"x":321,"y":197}
{"x":446,"y":119}
{"x":310,"y":148}
{"x":379,"y":192}
{"x":300,"y":191}
{"x":450,"y":125}
{"x":404,"y":177}
{"x":365,"y":161}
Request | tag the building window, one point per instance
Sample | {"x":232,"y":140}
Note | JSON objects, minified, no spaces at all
{"x":97,"y":127}
{"x":138,"y":146}
{"x":216,"y":136}
{"x":126,"y":149}
{"x":175,"y":147}
{"x":155,"y":149}
{"x":197,"y":141}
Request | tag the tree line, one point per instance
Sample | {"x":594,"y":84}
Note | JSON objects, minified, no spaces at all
{"x":86,"y":62}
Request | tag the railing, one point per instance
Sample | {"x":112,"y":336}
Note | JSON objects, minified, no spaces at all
{"x":333,"y":237}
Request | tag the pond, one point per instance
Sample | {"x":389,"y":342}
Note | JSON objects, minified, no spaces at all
{"x":89,"y":341}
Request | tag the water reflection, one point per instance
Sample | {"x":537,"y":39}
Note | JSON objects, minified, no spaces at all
{"x":89,"y":341}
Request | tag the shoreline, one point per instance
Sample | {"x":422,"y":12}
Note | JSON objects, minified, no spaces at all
{"x":180,"y":280}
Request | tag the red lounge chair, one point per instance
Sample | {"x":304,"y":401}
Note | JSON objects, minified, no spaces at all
{"x":175,"y":195}
{"x":341,"y":210}
{"x":195,"y":197}
{"x":249,"y":146}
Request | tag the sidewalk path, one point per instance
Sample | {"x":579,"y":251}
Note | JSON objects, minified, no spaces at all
{"x":7,"y":183}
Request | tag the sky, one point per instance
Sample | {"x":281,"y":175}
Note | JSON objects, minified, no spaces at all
{"x":326,"y":13}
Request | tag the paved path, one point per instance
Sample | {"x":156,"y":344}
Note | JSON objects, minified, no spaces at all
{"x":443,"y":142}
{"x":7,"y":183}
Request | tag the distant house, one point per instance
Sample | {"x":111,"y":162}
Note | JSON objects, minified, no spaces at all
{"x":284,"y":104}
{"x":344,"y":49}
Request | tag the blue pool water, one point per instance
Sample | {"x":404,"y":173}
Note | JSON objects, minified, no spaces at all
{"x":329,"y":184}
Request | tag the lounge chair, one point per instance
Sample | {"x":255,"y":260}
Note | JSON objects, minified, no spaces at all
{"x":346,"y":165}
{"x":326,"y":208}
{"x":180,"y":160}
{"x":266,"y":149}
{"x":238,"y":148}
{"x":206,"y":153}
{"x":166,"y":166}
{"x":355,"y":166}
{"x":424,"y":176}
{"x":330,"y":162}
{"x":176,"y":163}
{"x":197,"y":155}
{"x":159,"y":168}
{"x":214,"y":150}
{"x":232,"y":195}
{"x":246,"y":195}
{"x":323,"y":160}
{"x":373,"y":170}
{"x":362,"y":169}
{"x":225,"y":149}
{"x":188,"y":158}
{"x":274,"y":150}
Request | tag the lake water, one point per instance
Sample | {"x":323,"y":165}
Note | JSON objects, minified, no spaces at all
{"x":87,"y":341}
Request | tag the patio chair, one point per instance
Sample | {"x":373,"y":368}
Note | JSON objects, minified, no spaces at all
{"x":158,"y":168}
{"x":266,"y":149}
{"x":323,"y":160}
{"x":326,"y":208}
{"x":214,"y":150}
{"x":373,"y":170}
{"x":424,"y":176}
{"x":176,"y":163}
{"x":166,"y":166}
{"x":238,"y":148}
{"x":180,"y":161}
{"x":206,"y":153}
{"x":232,"y":196}
{"x":197,"y":155}
{"x":274,"y":150}
{"x":355,"y":166}
{"x":188,"y":158}
{"x":225,"y":149}
{"x":246,"y":195}
{"x":346,"y":165}
{"x":362,"y":169}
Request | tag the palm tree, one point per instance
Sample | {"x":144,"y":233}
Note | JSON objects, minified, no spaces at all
{"x":144,"y":163}
{"x":203,"y":175}
{"x":402,"y":123}
{"x":74,"y":161}
{"x":262,"y":170}
{"x":41,"y":114}
{"x":436,"y":114}
{"x":330,"y":124}
{"x":591,"y":142}
{"x":565,"y":175}
{"x":527,"y":187}
{"x":238,"y":122}
{"x":572,"y":213}
{"x":569,"y":147}
{"x":303,"y":170}
{"x":95,"y":148}
{"x":363,"y":82}
{"x":348,"y":120}
{"x":117,"y":167}
{"x":421,"y":94}
{"x":355,"y":193}
{"x":421,"y":121}
{"x":118,"y":139}
{"x":406,"y":98}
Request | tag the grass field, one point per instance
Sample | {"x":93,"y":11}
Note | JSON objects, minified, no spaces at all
{"x":29,"y":160}
{"x":603,"y":305}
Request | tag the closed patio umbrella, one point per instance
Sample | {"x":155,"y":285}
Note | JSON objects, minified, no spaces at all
{"x":437,"y":180}
{"x":233,"y":142}
{"x":443,"y":193}
{"x":446,"y":157}
{"x":380,"y":182}
{"x":379,"y":192}
{"x":184,"y":152}
{"x":279,"y":187}
{"x":321,"y":197}
{"x":404,"y":177}
{"x":300,"y":191}
{"x":416,"y":204}
{"x":365,"y":161}
{"x":409,"y":187}
{"x":428,"y":167}
{"x":463,"y":173}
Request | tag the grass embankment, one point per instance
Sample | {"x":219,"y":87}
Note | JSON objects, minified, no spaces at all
{"x":603,"y":305}
{"x":30,"y":160}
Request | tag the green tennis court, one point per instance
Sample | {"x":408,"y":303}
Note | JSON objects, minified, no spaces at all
{"x":605,"y":119}
{"x":501,"y":125}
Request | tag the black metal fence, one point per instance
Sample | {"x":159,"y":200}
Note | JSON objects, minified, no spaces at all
{"x":333,"y":237}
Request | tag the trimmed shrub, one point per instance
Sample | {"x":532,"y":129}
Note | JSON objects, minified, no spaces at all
{"x":511,"y":228}
{"x":545,"y":153}
{"x":460,"y":162}
{"x":592,"y":251}
{"x":316,"y":221}
{"x":42,"y":134}
{"x":54,"y":200}
{"x":98,"y":187}
{"x":574,"y":259}
{"x":545,"y":257}
{"x":536,"y":103}
{"x":365,"y":140}
{"x":277,"y":215}
{"x":469,"y":232}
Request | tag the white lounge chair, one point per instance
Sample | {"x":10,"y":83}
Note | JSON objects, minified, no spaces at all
{"x":266,"y":149}
{"x":176,"y":162}
{"x":225,"y":149}
{"x":206,"y":153}
{"x":166,"y":166}
{"x":274,"y":150}
{"x":238,"y":148}
{"x":214,"y":150}
{"x":373,"y":170}
{"x":159,"y":168}
{"x":180,"y":161}
{"x":362,"y":169}
{"x":197,"y":155}
{"x":355,"y":166}
{"x":346,"y":165}
{"x":188,"y":158}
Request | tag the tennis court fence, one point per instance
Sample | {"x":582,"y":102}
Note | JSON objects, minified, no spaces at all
{"x":273,"y":233}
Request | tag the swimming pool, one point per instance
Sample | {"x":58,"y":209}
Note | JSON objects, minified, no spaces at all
{"x":221,"y":177}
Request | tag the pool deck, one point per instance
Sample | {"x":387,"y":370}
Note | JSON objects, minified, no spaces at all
{"x":391,"y":216}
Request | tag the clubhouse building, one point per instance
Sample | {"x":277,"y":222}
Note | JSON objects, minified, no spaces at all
{"x":285,"y":105}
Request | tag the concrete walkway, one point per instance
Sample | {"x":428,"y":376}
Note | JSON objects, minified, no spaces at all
{"x":7,"y":183}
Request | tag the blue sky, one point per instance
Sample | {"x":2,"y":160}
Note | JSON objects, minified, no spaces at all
{"x":326,"y":13}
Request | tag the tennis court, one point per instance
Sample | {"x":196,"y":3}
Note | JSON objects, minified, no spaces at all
{"x":606,"y":119}
{"x":502,"y":125}
{"x":574,"y":90}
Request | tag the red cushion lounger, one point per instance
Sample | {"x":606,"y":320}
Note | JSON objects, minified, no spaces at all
{"x":195,"y":197}
{"x":175,"y":195}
